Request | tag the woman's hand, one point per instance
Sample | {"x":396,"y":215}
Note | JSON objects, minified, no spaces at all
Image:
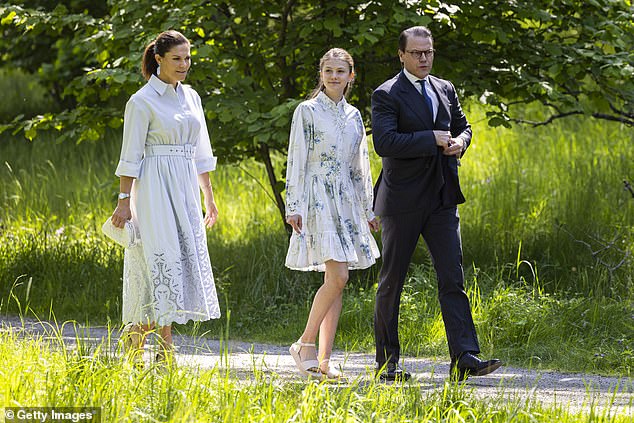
{"x":211,"y":213}
{"x":122,"y":213}
{"x":295,"y":221}
{"x":374,"y":225}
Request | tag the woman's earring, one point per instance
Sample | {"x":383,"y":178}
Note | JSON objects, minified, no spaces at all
{"x":158,"y":70}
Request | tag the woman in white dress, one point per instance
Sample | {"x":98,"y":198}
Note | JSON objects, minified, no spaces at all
{"x":328,"y":204}
{"x":165,"y":161}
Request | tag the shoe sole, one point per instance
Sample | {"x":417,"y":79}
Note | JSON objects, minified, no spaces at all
{"x":486,"y":370}
{"x":460,"y":375}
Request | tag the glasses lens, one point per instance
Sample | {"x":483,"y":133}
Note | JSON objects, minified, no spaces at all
{"x":418,"y":54}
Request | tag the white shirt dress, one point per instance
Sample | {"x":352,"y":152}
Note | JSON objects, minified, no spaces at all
{"x":167,"y":278}
{"x":328,"y":183}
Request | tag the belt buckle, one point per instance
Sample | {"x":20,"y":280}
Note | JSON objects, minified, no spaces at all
{"x":188,"y":150}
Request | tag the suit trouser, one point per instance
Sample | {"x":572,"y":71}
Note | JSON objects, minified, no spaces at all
{"x":440,"y":228}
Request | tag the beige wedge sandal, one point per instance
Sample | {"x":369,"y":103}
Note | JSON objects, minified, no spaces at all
{"x":308,"y":368}
{"x":131,"y":343}
{"x":330,"y":372}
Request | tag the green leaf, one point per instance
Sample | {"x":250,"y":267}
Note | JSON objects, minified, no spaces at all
{"x":497,"y":121}
{"x":9,"y":18}
{"x":119,"y":78}
{"x":307,"y":29}
{"x":280,"y":186}
{"x":30,"y":133}
{"x":333,"y":24}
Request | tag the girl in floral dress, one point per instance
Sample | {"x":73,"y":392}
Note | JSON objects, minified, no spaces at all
{"x":329,"y":204}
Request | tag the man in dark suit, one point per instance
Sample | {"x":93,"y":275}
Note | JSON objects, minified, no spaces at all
{"x":420,"y":131}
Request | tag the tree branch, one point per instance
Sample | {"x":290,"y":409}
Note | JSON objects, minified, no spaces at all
{"x":547,"y":121}
{"x":287,"y":81}
{"x":604,"y":248}
{"x":628,"y":122}
{"x":621,"y":112}
{"x":603,"y":116}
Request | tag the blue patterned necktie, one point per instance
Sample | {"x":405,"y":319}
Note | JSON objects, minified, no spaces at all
{"x":428,"y":101}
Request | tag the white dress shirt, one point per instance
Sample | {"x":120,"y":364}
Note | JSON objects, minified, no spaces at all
{"x":430,"y":91}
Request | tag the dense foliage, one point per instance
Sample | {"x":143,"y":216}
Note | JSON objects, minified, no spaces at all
{"x":255,"y":60}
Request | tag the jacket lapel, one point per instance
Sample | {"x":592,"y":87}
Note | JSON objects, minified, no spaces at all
{"x":414,"y":100}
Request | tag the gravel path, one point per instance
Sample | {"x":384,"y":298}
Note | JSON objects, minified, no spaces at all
{"x":571,"y":391}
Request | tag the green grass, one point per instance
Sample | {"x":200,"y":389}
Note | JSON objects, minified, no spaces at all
{"x":545,"y":189}
{"x":548,"y":234}
{"x":526,"y":268}
{"x":23,"y":95}
{"x":49,"y":374}
{"x":540,"y":202}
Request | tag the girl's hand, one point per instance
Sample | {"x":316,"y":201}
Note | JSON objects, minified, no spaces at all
{"x":295,"y":221}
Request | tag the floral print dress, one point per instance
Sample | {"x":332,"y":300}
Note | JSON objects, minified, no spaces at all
{"x":328,"y":183}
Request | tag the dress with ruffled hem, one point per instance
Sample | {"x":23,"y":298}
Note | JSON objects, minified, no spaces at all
{"x":329,"y":184}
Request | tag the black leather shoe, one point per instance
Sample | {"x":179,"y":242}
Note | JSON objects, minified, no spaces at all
{"x":470,"y":365}
{"x":392,"y":372}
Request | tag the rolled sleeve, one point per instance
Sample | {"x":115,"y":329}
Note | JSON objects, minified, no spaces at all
{"x":204,"y":158}
{"x":136,"y":122}
{"x":207,"y":164}
{"x":128,"y":169}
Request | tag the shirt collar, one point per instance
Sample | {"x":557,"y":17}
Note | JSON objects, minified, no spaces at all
{"x":327,"y":102}
{"x":413,"y":79}
{"x":159,"y":86}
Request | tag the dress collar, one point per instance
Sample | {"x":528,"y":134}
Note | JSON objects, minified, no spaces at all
{"x":328,"y":103}
{"x":159,"y":86}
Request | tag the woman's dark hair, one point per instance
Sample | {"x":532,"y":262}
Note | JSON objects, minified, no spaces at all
{"x":415,"y":31}
{"x":333,"y":53}
{"x":161,"y":45}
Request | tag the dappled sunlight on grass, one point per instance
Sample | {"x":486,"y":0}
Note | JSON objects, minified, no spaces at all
{"x":531,"y":231}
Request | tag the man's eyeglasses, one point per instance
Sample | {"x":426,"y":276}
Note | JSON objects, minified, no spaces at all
{"x":418,"y":54}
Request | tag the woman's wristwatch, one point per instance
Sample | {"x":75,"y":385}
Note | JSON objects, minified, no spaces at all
{"x":124,"y":195}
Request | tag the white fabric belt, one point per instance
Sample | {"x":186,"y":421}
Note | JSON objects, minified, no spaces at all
{"x":186,"y":150}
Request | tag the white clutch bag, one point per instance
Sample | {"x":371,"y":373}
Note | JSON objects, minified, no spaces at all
{"x":127,"y":237}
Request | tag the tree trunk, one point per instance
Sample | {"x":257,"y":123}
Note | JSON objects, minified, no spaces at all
{"x":270,"y":171}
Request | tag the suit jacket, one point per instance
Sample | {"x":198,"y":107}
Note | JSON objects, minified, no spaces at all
{"x":415,"y":172}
